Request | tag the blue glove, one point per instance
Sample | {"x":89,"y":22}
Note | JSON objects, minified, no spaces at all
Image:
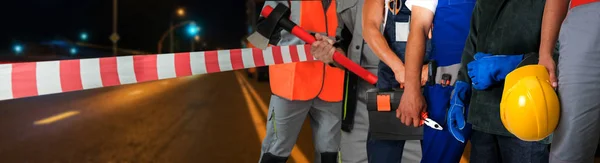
{"x":456,"y":113}
{"x":487,"y":70}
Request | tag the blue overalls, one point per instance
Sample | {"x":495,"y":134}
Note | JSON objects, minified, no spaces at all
{"x":450,"y":30}
{"x":394,"y":20}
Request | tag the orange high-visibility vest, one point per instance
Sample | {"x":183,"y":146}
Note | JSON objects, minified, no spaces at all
{"x":308,"y":80}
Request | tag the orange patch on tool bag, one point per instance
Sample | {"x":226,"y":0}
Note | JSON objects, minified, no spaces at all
{"x":383,"y":102}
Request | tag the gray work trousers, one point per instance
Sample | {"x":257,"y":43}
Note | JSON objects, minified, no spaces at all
{"x":578,"y":131}
{"x":353,"y":148}
{"x":285,"y":120}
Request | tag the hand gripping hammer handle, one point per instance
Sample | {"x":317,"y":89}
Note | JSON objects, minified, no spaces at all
{"x":308,"y":38}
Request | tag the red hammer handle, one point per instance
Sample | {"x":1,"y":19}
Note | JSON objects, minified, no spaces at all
{"x":337,"y":56}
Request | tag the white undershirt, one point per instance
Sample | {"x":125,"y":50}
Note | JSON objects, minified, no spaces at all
{"x":428,"y":4}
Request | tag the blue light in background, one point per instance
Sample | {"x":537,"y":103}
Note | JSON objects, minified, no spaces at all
{"x":193,"y":29}
{"x":83,"y":36}
{"x":73,"y":51}
{"x":18,"y":49}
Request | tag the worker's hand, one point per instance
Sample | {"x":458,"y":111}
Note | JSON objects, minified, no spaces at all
{"x":424,"y":74}
{"x":399,"y":74}
{"x":412,"y":103}
{"x":550,"y":65}
{"x":323,"y":49}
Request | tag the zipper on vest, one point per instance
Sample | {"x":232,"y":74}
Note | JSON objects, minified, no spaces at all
{"x":322,"y":81}
{"x":325,"y":14}
{"x":327,"y":32}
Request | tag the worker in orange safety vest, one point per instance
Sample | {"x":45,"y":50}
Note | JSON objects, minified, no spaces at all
{"x":305,"y":88}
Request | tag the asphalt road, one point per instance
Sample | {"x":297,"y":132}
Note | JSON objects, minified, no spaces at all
{"x":208,"y":118}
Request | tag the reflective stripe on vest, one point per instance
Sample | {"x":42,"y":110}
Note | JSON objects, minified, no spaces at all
{"x":308,"y":80}
{"x":575,"y":3}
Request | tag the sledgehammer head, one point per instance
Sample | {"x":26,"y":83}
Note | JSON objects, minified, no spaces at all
{"x":258,"y":40}
{"x":267,"y":27}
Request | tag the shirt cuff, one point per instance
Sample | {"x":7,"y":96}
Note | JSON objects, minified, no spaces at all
{"x":431,"y":5}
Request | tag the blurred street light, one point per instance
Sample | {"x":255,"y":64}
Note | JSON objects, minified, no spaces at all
{"x":83,"y":36}
{"x":193,"y":42}
{"x":193,"y":29}
{"x":18,"y":49}
{"x":73,"y":51}
{"x":180,"y":12}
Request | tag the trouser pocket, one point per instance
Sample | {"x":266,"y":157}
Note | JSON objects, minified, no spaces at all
{"x":439,"y":146}
{"x":438,"y":101}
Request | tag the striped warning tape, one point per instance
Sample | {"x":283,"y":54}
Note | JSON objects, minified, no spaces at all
{"x":20,"y":80}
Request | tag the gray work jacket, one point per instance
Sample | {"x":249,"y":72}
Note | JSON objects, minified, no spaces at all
{"x":382,"y":125}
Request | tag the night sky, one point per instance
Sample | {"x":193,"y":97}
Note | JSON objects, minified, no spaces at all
{"x":141,"y":22}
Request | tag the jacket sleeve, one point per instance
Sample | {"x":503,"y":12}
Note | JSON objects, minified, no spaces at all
{"x":470,"y":49}
{"x":343,"y":36}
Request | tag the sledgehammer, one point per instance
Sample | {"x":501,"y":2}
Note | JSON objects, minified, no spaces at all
{"x":278,"y":18}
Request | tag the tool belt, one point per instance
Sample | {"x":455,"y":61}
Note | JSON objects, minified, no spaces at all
{"x":389,"y":100}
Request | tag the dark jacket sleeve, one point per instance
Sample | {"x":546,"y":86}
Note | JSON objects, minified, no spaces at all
{"x":343,"y":38}
{"x":469,"y":50}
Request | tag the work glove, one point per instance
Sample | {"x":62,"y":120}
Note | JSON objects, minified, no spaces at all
{"x":456,"y":113}
{"x":487,"y":70}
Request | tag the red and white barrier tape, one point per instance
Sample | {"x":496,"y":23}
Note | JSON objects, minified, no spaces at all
{"x":20,"y":80}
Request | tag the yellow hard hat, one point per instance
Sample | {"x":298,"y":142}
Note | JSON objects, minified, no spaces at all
{"x":529,"y":108}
